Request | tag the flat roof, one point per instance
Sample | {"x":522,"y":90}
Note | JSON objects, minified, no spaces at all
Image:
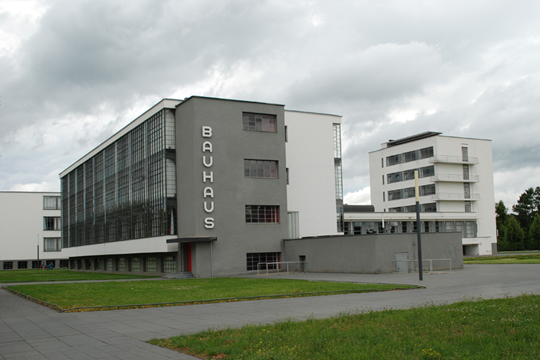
{"x":412,"y":138}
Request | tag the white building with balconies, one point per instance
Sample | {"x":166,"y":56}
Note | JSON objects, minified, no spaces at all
{"x":455,"y":185}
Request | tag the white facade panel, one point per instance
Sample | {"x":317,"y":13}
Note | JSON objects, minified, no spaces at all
{"x":137,"y":246}
{"x":22,"y":217}
{"x":310,"y":160}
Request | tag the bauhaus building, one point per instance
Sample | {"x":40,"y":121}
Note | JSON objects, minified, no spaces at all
{"x":203,"y":185}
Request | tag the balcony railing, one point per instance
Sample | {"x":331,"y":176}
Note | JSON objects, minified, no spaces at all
{"x":455,"y":197}
{"x":454,"y":178}
{"x":453,"y":159}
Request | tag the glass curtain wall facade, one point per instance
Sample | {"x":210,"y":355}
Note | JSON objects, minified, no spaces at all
{"x":338,"y":176}
{"x":123,"y":192}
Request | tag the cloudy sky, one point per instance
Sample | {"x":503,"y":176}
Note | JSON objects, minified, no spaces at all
{"x":74,"y":72}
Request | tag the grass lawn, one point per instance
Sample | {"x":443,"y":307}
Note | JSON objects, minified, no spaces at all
{"x":485,"y":329}
{"x":14,"y":276}
{"x":75,"y":295}
{"x":509,"y":259}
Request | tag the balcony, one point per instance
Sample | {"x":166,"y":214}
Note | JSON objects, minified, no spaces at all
{"x":453,"y":160}
{"x":454,"y":197}
{"x":454,"y":178}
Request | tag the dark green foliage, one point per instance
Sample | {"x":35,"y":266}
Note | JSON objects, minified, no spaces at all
{"x":534,"y":234}
{"x":514,"y":236}
{"x":527,"y":206}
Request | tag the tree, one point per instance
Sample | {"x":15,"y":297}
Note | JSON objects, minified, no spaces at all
{"x":527,"y":207}
{"x":513,"y":235}
{"x":501,"y":212}
{"x":534,"y":234}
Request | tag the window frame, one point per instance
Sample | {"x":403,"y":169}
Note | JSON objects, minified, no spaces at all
{"x":258,"y":123}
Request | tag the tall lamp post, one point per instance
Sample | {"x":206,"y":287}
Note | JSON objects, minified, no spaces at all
{"x":38,"y":249}
{"x":418,"y":229}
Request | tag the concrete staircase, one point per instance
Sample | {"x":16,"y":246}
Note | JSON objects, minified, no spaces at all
{"x":179,"y":275}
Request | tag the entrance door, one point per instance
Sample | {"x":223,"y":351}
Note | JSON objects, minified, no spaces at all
{"x":186,"y":257}
{"x":402,"y":262}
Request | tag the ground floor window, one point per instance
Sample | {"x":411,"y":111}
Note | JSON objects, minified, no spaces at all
{"x":150,"y":264}
{"x":169,"y":264}
{"x":22,"y":265}
{"x":8,"y":265}
{"x":120,"y":264}
{"x":109,"y":264}
{"x":35,"y":264}
{"x":253,"y":259}
{"x":134,"y":266}
{"x":64,"y":263}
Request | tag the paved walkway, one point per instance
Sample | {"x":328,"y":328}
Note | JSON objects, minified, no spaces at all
{"x":32,"y":331}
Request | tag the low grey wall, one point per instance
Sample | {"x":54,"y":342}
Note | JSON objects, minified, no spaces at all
{"x":373,"y":253}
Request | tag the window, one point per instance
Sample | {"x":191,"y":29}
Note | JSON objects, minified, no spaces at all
{"x":383,"y":179}
{"x":468,"y":206}
{"x":409,"y":156}
{"x":169,"y":264}
{"x":262,"y":214}
{"x":465,"y":172}
{"x":51,"y":202}
{"x":465,"y":153}
{"x":64,"y":263}
{"x":394,"y":177}
{"x":395,"y":209}
{"x":52,"y":244}
{"x":408,"y":175}
{"x":259,"y":122}
{"x":253,"y":259}
{"x":426,"y":226}
{"x":120,"y":264}
{"x":383,"y":196}
{"x":260,"y":168}
{"x":426,"y":152}
{"x":431,"y":207}
{"x":22,"y":264}
{"x":404,"y":227}
{"x":109,"y":264}
{"x":337,"y":141}
{"x":467,"y":190}
{"x":357,"y":228}
{"x":411,"y":208}
{"x":52,"y":223}
{"x":427,"y":190}
{"x":150,"y":264}
{"x":35,"y":264}
{"x":393,"y":160}
{"x":427,"y":171}
{"x":134,"y":264}
{"x":8,"y":265}
{"x":469,"y":229}
{"x":408,"y":193}
{"x":286,"y":134}
{"x":394,"y":195}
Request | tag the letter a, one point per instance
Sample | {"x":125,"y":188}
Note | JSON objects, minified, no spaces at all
{"x":207,"y":146}
{"x":208,"y":192}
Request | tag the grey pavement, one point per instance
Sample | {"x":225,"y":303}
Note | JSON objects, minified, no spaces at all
{"x":29,"y":330}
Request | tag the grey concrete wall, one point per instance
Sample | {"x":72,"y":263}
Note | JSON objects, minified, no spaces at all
{"x":232,"y":191}
{"x":373,"y":253}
